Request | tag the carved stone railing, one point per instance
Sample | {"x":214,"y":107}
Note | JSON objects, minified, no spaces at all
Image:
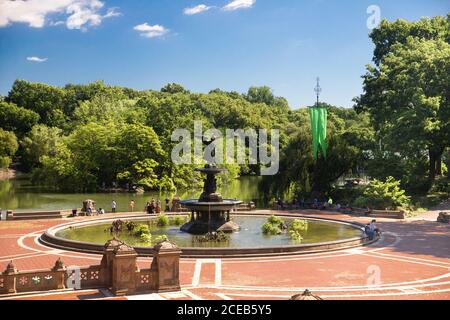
{"x":118,"y":271}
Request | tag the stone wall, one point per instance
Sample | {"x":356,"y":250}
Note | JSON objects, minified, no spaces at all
{"x":118,"y":272}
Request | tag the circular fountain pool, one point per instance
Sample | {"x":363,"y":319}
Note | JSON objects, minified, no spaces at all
{"x":322,"y":234}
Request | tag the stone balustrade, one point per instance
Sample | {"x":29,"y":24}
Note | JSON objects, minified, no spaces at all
{"x":118,"y":272}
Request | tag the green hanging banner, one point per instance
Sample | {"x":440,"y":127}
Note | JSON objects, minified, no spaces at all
{"x":318,"y":117}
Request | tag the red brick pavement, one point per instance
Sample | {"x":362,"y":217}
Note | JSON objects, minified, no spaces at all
{"x":412,"y":257}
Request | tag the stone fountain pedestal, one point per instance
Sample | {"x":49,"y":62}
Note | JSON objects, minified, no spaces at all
{"x":210,"y":213}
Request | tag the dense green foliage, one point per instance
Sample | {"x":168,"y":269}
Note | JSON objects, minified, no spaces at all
{"x":406,"y":95}
{"x":213,"y":237}
{"x":350,"y":137}
{"x":163,"y":221}
{"x":383,"y":195}
{"x":273,"y":226}
{"x":86,"y":137}
{"x":143,"y":232}
{"x":296,"y":229}
{"x":8,"y":147}
{"x":17,"y":119}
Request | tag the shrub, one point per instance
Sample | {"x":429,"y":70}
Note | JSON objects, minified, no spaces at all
{"x":296,"y":228}
{"x":275,"y":220}
{"x":360,"y":202}
{"x":271,"y":229}
{"x":143,"y":232}
{"x":163,"y":221}
{"x":299,"y":225}
{"x":5,"y":162}
{"x":273,"y":226}
{"x":296,"y":236}
{"x":178,"y":221}
{"x":161,"y":238}
{"x":213,"y":237}
{"x":147,"y":238}
{"x":388,"y":194}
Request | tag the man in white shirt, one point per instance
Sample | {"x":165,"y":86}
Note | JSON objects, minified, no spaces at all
{"x":373,"y":228}
{"x":113,"y":206}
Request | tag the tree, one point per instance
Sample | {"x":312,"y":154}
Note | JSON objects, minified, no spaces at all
{"x":387,"y":194}
{"x":17,"y":119}
{"x":47,"y":101}
{"x":261,"y":95}
{"x":265,"y":95}
{"x":8,"y":147}
{"x":106,"y":109}
{"x":41,"y":141}
{"x":406,"y":92}
{"x":173,"y":88}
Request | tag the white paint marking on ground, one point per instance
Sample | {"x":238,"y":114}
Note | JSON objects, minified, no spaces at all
{"x":34,"y":255}
{"x":411,"y":258}
{"x":354,"y":251}
{"x":192,"y":295}
{"x":147,"y":297}
{"x":411,"y":290}
{"x":391,"y":286}
{"x":173,"y":295}
{"x":198,"y":271}
{"x":6,"y":236}
{"x":373,"y":255}
{"x":223,"y":296}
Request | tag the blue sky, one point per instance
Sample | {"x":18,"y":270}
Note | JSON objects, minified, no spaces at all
{"x":144,"y":44}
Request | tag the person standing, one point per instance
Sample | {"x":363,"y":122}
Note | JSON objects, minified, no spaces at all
{"x":113,"y":206}
{"x":167,"y":205}
{"x":158,"y":207}
{"x":132,"y":205}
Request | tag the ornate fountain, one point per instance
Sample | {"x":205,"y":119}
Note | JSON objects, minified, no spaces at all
{"x":210,"y":213}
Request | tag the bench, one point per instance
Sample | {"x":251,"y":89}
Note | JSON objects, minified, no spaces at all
{"x":360,"y":211}
{"x":246,"y":206}
{"x":32,"y":215}
{"x":387,"y":214}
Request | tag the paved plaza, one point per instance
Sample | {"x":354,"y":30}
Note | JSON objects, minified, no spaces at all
{"x":410,"y":261}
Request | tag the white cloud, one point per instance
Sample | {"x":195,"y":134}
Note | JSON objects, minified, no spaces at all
{"x":197,"y":9}
{"x":239,"y":4}
{"x":80,"y":13}
{"x":37,"y":59}
{"x":112,"y":13}
{"x":56,"y":23}
{"x":150,"y":31}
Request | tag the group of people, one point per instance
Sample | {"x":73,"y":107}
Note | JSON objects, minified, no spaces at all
{"x":153,"y":207}
{"x":326,"y":203}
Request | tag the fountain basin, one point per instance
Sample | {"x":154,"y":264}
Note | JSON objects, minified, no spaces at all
{"x":246,"y":243}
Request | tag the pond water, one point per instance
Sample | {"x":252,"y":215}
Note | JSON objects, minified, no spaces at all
{"x":19,"y":194}
{"x":249,"y":236}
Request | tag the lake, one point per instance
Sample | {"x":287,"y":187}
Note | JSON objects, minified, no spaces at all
{"x":20,"y":194}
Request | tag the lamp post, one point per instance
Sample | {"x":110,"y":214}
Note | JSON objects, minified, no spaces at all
{"x":318,"y":90}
